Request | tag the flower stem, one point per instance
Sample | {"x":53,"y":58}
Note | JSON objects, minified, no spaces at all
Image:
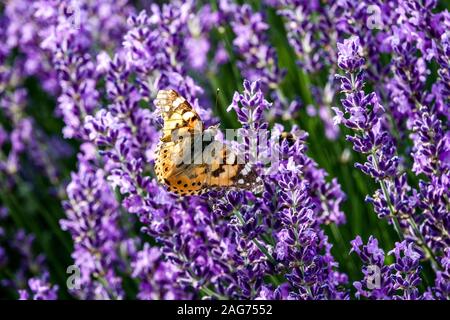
{"x":410,"y":221}
{"x":211,"y":293}
{"x":424,"y":246}
{"x":255,"y":241}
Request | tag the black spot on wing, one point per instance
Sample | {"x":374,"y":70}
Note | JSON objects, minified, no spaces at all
{"x":216,"y":173}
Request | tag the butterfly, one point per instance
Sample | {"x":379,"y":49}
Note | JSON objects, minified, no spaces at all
{"x":189,"y":161}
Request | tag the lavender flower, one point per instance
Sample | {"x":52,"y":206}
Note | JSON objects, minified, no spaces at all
{"x":406,"y":276}
{"x":127,"y":135}
{"x":296,"y":214}
{"x":431,"y":157}
{"x":376,"y":274}
{"x":399,"y":280}
{"x":365,"y":116}
{"x":25,"y":267}
{"x":92,"y":219}
{"x":23,"y":32}
{"x":79,"y":96}
{"x":300,"y":244}
{"x":249,"y":107}
{"x":39,"y":289}
{"x":258,"y":58}
{"x":157,"y":277}
{"x":29,"y":263}
{"x":26,"y":138}
{"x":103,"y":63}
{"x":441,"y":289}
{"x":310,"y":32}
{"x":155,"y":43}
{"x":197,"y":41}
{"x":67,"y":38}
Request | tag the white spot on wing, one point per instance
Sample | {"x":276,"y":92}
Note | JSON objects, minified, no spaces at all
{"x":188,"y":115}
{"x":178,"y":101}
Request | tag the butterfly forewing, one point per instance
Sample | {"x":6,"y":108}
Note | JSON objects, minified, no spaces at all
{"x":187,"y":160}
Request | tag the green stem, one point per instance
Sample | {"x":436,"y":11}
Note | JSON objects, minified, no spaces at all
{"x":395,"y":221}
{"x":392,"y":210}
{"x":211,"y":293}
{"x":410,"y":220}
{"x":255,"y":241}
{"x":424,"y":246}
{"x":105,"y":285}
{"x":48,"y":213}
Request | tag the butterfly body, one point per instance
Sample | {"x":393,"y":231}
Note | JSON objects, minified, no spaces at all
{"x":188,"y":160}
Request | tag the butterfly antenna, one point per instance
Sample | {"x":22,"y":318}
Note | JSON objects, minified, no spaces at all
{"x":217,"y":98}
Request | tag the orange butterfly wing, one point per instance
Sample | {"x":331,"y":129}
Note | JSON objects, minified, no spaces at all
{"x":184,"y":170}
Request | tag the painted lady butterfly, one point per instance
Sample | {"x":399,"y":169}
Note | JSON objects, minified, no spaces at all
{"x":188,"y":160}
